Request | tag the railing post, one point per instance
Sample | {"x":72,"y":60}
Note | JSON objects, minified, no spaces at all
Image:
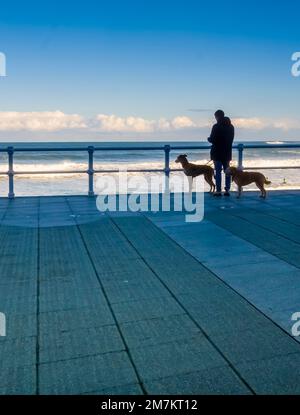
{"x":240,"y":157}
{"x":91,"y":170}
{"x":10,"y":173}
{"x":167,"y":150}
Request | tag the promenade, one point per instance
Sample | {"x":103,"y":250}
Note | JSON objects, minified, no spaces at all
{"x":148,"y":303}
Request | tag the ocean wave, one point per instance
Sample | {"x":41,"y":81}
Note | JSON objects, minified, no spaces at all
{"x":274,"y":142}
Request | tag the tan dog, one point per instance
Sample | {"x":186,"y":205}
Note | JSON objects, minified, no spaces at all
{"x":192,"y":170}
{"x":243,"y":178}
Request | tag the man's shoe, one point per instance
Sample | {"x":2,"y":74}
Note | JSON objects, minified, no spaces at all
{"x":226,"y":193}
{"x":217,"y":194}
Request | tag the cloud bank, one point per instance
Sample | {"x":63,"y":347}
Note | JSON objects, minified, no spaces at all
{"x":52,"y":121}
{"x":40,"y":121}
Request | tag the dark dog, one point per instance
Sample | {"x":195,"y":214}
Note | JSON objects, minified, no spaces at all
{"x":193,"y":170}
{"x":243,"y":178}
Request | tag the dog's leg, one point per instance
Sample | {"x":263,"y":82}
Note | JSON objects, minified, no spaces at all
{"x":240,"y":189}
{"x":190,"y":179}
{"x":208,"y":179}
{"x":262,"y":190}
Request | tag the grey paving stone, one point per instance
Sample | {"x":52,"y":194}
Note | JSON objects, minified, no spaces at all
{"x":89,"y":297}
{"x":292,"y":258}
{"x":53,"y":287}
{"x":214,"y":381}
{"x":20,"y":325}
{"x":101,"y":238}
{"x":79,"y":343}
{"x":213,"y":298}
{"x":146,"y":309}
{"x":133,"y":389}
{"x":17,"y":352}
{"x":256,"y":271}
{"x":276,"y":376}
{"x":131,"y":271}
{"x":276,"y":298}
{"x":217,"y":315}
{"x":248,"y":257}
{"x":87,"y":374}
{"x":170,"y":359}
{"x":284,"y":319}
{"x":272,"y":223}
{"x":250,"y":232}
{"x":128,"y":290}
{"x":75,"y":319}
{"x":249,"y":345}
{"x":109,"y":267}
{"x":176,"y":268}
{"x":18,"y":305}
{"x":192,"y":282}
{"x":159,"y":330}
{"x":14,"y":272}
{"x":18,"y":380}
{"x":22,"y":288}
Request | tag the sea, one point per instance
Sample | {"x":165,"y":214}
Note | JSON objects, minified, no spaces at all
{"x":71,"y":183}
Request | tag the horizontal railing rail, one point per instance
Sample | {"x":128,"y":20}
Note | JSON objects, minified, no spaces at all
{"x":91,"y":171}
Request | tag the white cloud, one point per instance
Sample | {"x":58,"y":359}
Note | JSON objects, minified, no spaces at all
{"x":115,"y":123}
{"x":250,"y":123}
{"x":137,"y":124}
{"x":40,"y":121}
{"x":257,"y":123}
{"x":287,"y":124}
{"x":182,"y":122}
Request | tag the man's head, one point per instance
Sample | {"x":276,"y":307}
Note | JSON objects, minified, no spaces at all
{"x":219,"y":115}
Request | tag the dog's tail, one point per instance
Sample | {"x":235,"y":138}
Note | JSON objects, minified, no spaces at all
{"x":267,"y":181}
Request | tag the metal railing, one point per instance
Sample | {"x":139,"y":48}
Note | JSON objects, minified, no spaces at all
{"x":91,"y":171}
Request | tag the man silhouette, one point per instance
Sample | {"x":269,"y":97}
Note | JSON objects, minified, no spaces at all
{"x":221,"y":138}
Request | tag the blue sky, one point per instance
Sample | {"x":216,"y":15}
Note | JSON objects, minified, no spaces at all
{"x":148,"y":70}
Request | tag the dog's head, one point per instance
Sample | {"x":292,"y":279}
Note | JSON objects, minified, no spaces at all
{"x":181,"y":158}
{"x":231,"y":171}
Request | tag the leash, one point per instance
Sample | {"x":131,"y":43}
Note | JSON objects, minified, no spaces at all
{"x":211,"y":161}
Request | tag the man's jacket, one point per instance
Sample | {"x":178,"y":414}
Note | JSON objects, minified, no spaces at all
{"x":221,"y":138}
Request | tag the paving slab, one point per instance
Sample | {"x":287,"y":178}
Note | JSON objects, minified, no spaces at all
{"x":79,"y":343}
{"x":213,"y":381}
{"x":18,"y":380}
{"x":75,"y":319}
{"x":159,"y":330}
{"x":20,"y":351}
{"x":86,"y":374}
{"x":275,"y":376}
{"x":146,"y":309}
{"x":132,"y":389}
{"x":174,"y":358}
